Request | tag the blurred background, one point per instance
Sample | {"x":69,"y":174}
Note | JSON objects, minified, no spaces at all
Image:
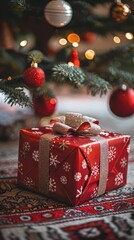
{"x":95,"y":39}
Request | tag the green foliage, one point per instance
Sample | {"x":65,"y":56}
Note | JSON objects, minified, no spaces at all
{"x":98,"y":75}
{"x":15,"y":96}
{"x":97,"y":85}
{"x":121,"y":77}
{"x":64,"y":73}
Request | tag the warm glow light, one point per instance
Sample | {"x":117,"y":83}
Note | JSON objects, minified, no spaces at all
{"x":126,"y":9}
{"x":53,"y":101}
{"x":23,"y":43}
{"x":73,"y":37}
{"x":70,"y":64}
{"x":75,"y":44}
{"x":89,"y":54}
{"x":116,"y":39}
{"x":124,"y":87}
{"x":9,"y":78}
{"x":62,"y":41}
{"x":129,"y":36}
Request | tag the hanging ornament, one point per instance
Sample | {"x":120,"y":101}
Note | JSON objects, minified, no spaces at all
{"x":122,"y":102}
{"x":58,"y":13}
{"x":88,"y":37}
{"x":44,"y":105}
{"x":120,"y":11}
{"x":34,"y":76}
{"x":74,"y":59}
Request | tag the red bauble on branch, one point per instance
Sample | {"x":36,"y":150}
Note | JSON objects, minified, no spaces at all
{"x":121,"y":102}
{"x":34,"y":76}
{"x":44,"y":105}
{"x":74,"y":58}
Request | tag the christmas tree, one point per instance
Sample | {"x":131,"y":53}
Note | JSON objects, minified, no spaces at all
{"x":75,"y":24}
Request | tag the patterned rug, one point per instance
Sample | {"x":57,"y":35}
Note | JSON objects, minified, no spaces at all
{"x":29,"y":216}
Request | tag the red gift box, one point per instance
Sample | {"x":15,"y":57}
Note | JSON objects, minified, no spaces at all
{"x":72,"y":168}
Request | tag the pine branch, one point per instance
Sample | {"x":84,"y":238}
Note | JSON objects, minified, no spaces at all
{"x":15,"y":96}
{"x":64,"y":73}
{"x":119,"y":77}
{"x":96,"y":84}
{"x":101,"y":61}
{"x":94,"y":2}
{"x":43,"y":90}
{"x":82,"y":16}
{"x":93,"y":76}
{"x":14,"y":82}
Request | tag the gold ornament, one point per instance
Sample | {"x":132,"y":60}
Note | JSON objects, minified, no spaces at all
{"x":120,"y":11}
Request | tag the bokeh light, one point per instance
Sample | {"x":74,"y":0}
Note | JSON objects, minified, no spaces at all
{"x":89,"y":54}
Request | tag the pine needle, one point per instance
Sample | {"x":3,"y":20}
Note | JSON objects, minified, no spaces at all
{"x":97,"y":85}
{"x":65,"y":73}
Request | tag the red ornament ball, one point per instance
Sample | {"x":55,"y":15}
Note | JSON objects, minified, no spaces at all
{"x":44,"y":106}
{"x":88,"y":37}
{"x":121,"y":102}
{"x":34,"y":77}
{"x":74,"y":58}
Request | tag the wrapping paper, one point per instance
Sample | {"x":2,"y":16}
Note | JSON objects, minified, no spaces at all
{"x":74,"y":164}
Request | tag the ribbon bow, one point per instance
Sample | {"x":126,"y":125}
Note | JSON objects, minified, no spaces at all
{"x":75,"y":123}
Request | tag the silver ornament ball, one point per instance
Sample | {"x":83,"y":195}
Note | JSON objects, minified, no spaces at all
{"x":58,"y":13}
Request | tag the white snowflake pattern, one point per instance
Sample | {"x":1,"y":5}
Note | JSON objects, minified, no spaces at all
{"x":37,"y":132}
{"x":84,"y":164}
{"x":53,"y":160}
{"x":94,"y":193}
{"x":79,"y":191}
{"x":28,"y":182}
{"x":52,"y":185}
{"x":35,"y":155}
{"x":63,"y":179}
{"x":66,"y":167}
{"x":22,"y":154}
{"x":86,"y":177}
{"x":119,"y":178}
{"x":123,"y":162}
{"x":95,"y":170}
{"x":64,"y":145}
{"x":25,"y":149}
{"x":77,"y":176}
{"x":52,"y":145}
{"x":88,"y":149}
{"x":20,"y":167}
{"x":26,"y":146}
{"x":111,"y":153}
{"x":104,"y":133}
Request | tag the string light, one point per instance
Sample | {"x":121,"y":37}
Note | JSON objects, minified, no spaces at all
{"x":9,"y":78}
{"x":116,"y":39}
{"x":23,"y":43}
{"x":126,"y":9}
{"x":53,"y":101}
{"x":124,"y":87}
{"x":89,"y":54}
{"x":73,"y":37}
{"x":70,"y":64}
{"x":75,"y":44}
{"x":63,"y":41}
{"x":129,"y":36}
